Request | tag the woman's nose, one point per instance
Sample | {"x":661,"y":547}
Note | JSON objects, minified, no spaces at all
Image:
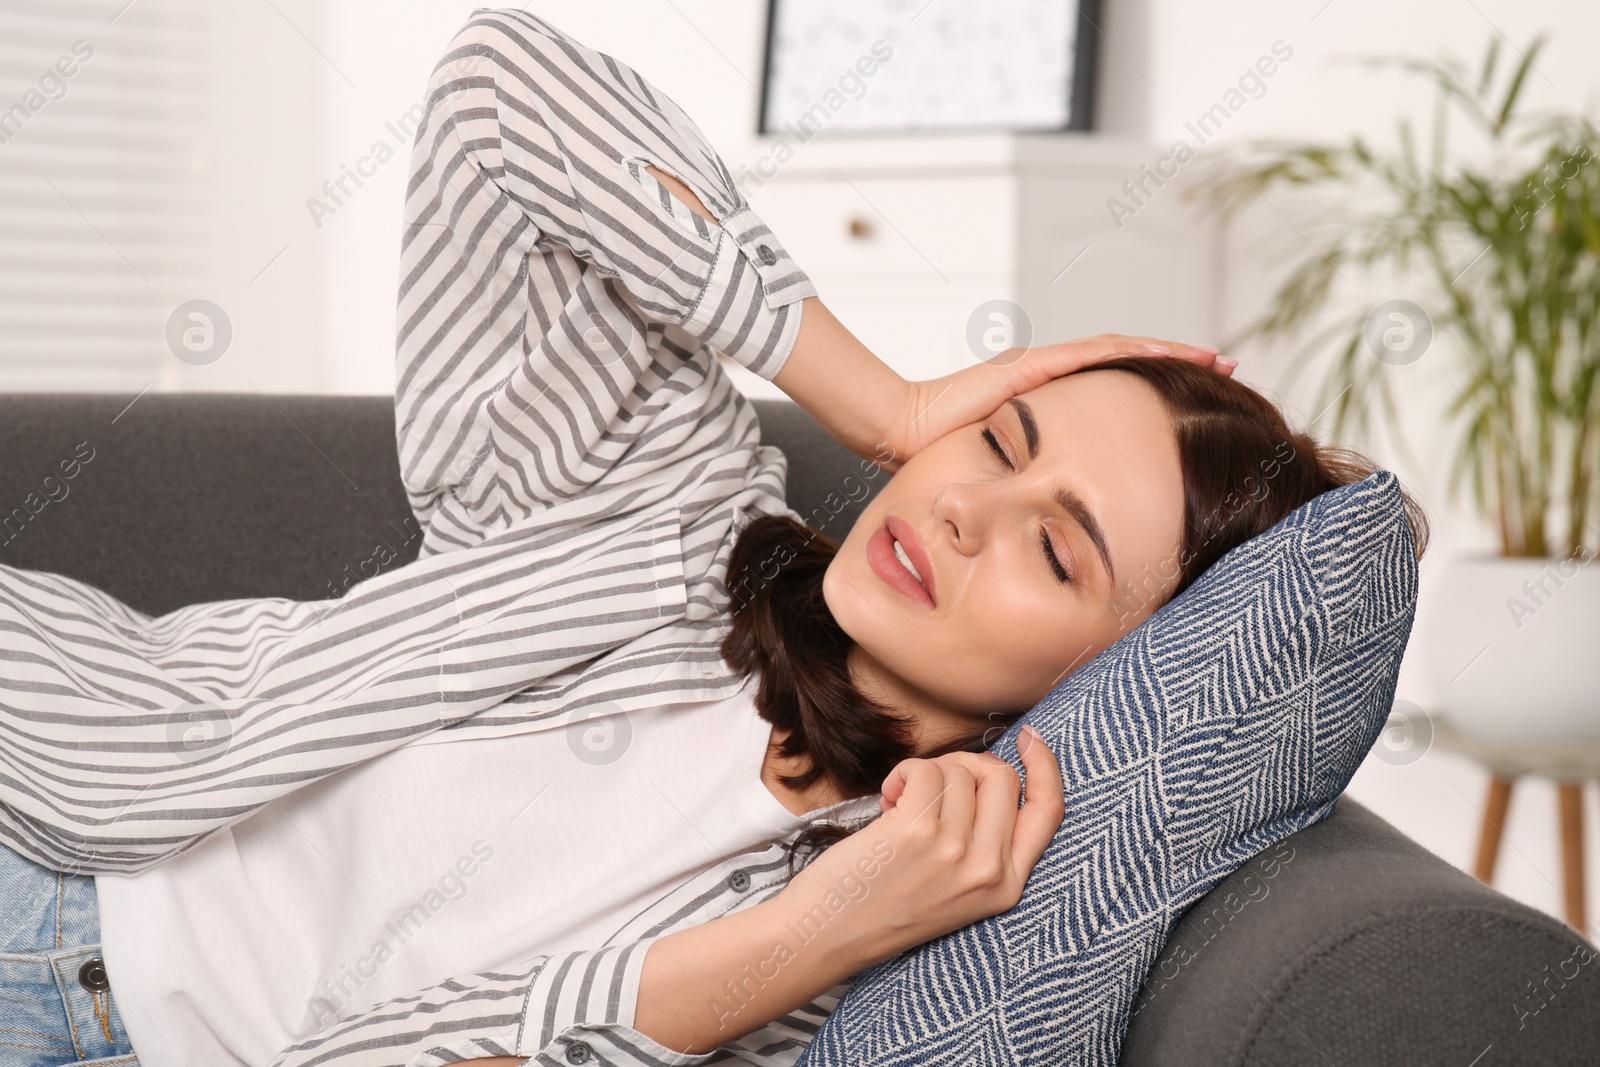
{"x":965,"y":511}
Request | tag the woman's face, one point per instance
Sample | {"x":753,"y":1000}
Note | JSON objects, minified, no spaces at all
{"x":1038,"y":533}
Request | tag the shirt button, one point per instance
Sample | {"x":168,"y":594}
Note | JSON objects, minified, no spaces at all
{"x":578,"y":1052}
{"x":92,"y":975}
{"x":738,"y":881}
{"x":766,"y":255}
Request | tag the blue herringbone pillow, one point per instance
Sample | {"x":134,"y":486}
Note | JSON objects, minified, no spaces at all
{"x":1231,"y":718}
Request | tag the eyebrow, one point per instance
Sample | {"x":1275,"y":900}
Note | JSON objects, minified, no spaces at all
{"x":1030,"y":428}
{"x":1070,"y":502}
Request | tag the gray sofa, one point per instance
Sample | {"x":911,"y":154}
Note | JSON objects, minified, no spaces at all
{"x":1348,"y":944}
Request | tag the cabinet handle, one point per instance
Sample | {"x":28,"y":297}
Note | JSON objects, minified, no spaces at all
{"x":860,"y":228}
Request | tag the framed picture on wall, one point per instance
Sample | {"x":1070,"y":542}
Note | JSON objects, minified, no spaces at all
{"x":883,"y":66}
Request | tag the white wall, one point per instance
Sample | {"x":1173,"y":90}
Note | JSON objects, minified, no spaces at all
{"x":261,"y":114}
{"x":1163,"y":61}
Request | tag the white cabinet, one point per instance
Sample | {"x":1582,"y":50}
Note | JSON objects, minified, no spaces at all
{"x":908,"y":238}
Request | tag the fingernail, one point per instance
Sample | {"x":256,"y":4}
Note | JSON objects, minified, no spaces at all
{"x":1227,"y":362}
{"x":1160,"y":350}
{"x":1024,"y":739}
{"x":1213,"y":349}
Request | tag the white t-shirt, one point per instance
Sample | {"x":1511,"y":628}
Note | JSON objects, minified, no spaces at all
{"x":428,"y":862}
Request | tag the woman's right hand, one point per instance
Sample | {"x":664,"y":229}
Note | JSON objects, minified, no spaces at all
{"x":932,"y":408}
{"x":952,"y":847}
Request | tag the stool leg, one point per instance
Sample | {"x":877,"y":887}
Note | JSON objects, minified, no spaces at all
{"x":1494,"y":817}
{"x":1570,"y":799}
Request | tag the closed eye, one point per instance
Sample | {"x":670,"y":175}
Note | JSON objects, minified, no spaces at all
{"x":1052,"y":560}
{"x":1062,"y":574}
{"x":994,"y":443}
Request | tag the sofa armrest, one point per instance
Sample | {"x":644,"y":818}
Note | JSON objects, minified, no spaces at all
{"x":1351,"y":944}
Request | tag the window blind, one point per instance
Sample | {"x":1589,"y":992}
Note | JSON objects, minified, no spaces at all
{"x":101,"y":187}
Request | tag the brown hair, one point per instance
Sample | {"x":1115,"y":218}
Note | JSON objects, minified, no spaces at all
{"x":1243,"y":470}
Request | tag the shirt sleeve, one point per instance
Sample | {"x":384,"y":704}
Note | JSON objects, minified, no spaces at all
{"x":566,"y":132}
{"x":328,"y":684}
{"x":575,"y":1007}
{"x":571,"y":1008}
{"x":559,"y":309}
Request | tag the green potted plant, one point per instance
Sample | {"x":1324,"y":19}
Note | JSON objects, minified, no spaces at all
{"x":1497,"y":257}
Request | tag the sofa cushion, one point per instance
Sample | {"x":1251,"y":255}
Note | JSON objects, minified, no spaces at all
{"x":1232,"y":717}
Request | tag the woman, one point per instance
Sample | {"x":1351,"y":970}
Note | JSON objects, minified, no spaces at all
{"x":580,"y":841}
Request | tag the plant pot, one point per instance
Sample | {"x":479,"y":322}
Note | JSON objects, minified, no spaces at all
{"x":1514,"y":647}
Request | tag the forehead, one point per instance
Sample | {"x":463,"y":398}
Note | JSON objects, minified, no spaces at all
{"x":1113,"y":415}
{"x":1107,"y":436}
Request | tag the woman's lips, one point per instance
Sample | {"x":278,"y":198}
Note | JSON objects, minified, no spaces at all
{"x":881,"y":556}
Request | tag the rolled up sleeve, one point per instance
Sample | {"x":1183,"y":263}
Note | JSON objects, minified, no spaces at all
{"x":568,"y":1008}
{"x":749,"y":308}
{"x":580,"y":1009}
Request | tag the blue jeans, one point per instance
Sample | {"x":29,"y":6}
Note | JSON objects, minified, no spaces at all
{"x":55,"y":998}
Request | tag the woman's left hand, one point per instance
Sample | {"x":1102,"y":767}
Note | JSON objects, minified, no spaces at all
{"x":935,"y":407}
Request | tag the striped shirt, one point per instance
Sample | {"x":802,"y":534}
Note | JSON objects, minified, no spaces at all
{"x":580,"y":466}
